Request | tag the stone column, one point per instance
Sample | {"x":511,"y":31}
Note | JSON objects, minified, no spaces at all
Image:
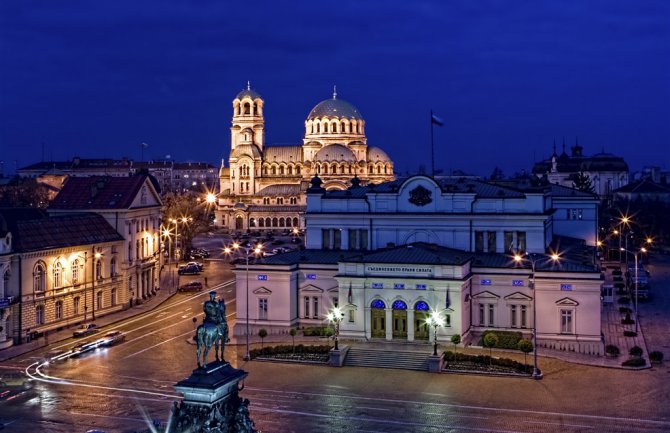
{"x":389,"y":323}
{"x":410,"y":324}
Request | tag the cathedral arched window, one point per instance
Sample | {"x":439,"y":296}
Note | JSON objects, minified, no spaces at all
{"x":252,"y":222}
{"x":266,"y":200}
{"x":297,"y":169}
{"x":325,"y":168}
{"x":343,"y":127}
{"x":274,"y":169}
{"x":318,"y":169}
{"x":335,"y":126}
{"x":58,"y":275}
{"x":280,"y":200}
{"x":275,"y":222}
{"x":247,"y":108}
{"x":261,"y":222}
{"x":290,"y":170}
{"x":281,"y":222}
{"x":293,"y":200}
{"x":318,"y":128}
{"x":267,"y":222}
{"x":39,"y":277}
{"x":281,"y":170}
{"x":295,"y":222}
{"x":325,"y":127}
{"x":333,"y":169}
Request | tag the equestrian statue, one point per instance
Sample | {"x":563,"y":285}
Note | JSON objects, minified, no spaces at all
{"x":213,"y":331}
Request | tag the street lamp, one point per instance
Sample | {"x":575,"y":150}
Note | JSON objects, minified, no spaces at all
{"x":533,"y":258}
{"x":258,"y":249}
{"x":176,"y":222}
{"x":336,"y":315}
{"x":435,"y":320}
{"x":97,"y":256}
{"x":642,"y":250}
{"x":210,"y":198}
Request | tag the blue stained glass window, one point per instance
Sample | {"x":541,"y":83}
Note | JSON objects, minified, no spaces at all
{"x":377,"y":303}
{"x":421,"y":306}
{"x":399,"y":305}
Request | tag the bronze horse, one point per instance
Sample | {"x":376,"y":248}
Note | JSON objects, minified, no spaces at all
{"x":212,"y":332}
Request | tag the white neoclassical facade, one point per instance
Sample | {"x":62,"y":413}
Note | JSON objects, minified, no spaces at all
{"x":263,"y":187}
{"x":389,"y":254}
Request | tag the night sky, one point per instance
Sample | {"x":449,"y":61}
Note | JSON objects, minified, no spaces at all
{"x":98,"y":78}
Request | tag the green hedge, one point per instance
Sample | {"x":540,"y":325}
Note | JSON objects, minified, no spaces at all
{"x":506,"y":339}
{"x":317,"y":331}
{"x":634,"y":362}
{"x":299,"y":349}
{"x":485,"y":360}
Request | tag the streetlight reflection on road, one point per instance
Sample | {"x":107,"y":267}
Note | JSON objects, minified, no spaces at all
{"x":256,"y":251}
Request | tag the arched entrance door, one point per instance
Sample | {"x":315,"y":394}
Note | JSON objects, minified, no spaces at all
{"x":378,"y":319}
{"x":239,"y":222}
{"x":421,"y":331}
{"x":399,"y":321}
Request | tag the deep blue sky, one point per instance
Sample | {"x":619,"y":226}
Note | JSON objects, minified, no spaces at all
{"x":97,"y":78}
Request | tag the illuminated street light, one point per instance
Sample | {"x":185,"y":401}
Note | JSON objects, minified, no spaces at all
{"x":257,"y":250}
{"x":336,"y":315}
{"x":435,"y":320}
{"x":532,"y":258}
{"x":210,"y":198}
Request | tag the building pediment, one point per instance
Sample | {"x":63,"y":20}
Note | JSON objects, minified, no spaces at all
{"x":262,"y":291}
{"x":310,"y":288}
{"x":518,"y":296}
{"x":485,"y":295}
{"x":567,"y":302}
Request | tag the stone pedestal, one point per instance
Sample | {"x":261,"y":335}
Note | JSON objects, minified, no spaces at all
{"x":337,"y":356}
{"x":211,"y":403}
{"x":435,"y":363}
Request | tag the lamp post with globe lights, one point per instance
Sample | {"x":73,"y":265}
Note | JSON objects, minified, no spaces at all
{"x":336,"y":315}
{"x":533,"y":258}
{"x":256,"y":251}
{"x":435,"y":320}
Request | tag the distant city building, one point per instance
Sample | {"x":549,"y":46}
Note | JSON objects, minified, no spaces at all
{"x":263,"y":187}
{"x":390,"y":254}
{"x":172,"y":176}
{"x":58,"y":271}
{"x":645,"y":190}
{"x":132,"y":206}
{"x":606,"y":172}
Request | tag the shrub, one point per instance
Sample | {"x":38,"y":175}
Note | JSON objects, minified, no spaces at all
{"x":627,"y":320}
{"x":629,"y":334}
{"x":317,"y":331}
{"x":656,"y":356}
{"x":635,"y":351}
{"x":624,"y":300}
{"x":526,"y":347}
{"x":300,"y":349}
{"x":484,"y":361}
{"x":262,"y":333}
{"x":506,"y":339}
{"x":612,"y":350}
{"x":634,"y":362}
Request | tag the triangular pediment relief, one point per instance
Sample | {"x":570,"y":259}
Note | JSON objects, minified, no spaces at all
{"x":146,"y":196}
{"x":486,"y":295}
{"x":262,"y":291}
{"x":310,"y":288}
{"x":567,"y":301}
{"x":518,"y":296}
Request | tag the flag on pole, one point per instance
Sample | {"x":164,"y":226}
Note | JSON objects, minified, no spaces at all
{"x":436,"y":120}
{"x":350,"y":297}
{"x":448,"y":303}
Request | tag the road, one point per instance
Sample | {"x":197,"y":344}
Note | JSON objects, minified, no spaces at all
{"x":121,"y":388}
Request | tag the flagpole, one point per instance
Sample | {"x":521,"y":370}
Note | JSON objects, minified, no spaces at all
{"x":432,"y":146}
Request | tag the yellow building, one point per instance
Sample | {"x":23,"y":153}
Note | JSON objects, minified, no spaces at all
{"x":263,"y":187}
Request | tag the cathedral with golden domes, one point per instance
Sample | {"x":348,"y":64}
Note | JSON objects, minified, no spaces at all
{"x":263,"y":187}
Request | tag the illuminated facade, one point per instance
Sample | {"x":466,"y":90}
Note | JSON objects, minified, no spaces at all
{"x":55,"y":275}
{"x":263,"y":187}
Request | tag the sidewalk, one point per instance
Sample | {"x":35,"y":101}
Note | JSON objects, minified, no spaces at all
{"x":149,"y":304}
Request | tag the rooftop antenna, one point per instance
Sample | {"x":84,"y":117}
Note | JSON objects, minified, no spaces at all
{"x":334,"y":91}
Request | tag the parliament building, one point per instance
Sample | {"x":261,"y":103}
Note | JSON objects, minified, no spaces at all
{"x":263,"y":187}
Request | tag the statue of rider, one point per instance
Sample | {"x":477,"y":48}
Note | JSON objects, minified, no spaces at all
{"x":212,"y":311}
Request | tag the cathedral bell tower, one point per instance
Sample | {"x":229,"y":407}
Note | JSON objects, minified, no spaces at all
{"x":247,"y":136}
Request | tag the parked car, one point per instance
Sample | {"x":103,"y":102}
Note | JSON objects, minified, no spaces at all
{"x":199,"y":265}
{"x":85,"y":329}
{"x":112,"y":338}
{"x":188,"y":269}
{"x":193,"y":286}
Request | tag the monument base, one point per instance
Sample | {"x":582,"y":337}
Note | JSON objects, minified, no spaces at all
{"x":211,"y":403}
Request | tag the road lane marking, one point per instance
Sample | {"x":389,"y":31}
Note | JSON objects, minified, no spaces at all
{"x":156,"y":345}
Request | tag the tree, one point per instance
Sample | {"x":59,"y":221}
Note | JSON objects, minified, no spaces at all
{"x":582,"y":182}
{"x":490,"y":341}
{"x":24,"y":193}
{"x":292,"y":332}
{"x":497,"y":174}
{"x":526,"y":347}
{"x":262,"y":333}
{"x":191,"y":206}
{"x":456,"y":340}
